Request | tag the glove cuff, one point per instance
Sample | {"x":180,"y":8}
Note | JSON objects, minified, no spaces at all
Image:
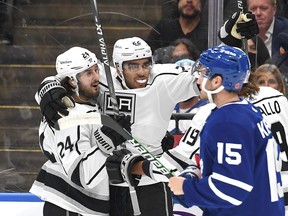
{"x":147,"y":168}
{"x":126,"y":167}
{"x":45,"y":87}
{"x":105,"y":144}
{"x":229,"y":40}
{"x":192,"y":171}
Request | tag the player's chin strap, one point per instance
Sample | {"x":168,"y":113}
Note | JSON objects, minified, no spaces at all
{"x":209,"y":93}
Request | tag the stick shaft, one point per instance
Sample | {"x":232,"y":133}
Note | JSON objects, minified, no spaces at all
{"x":104,"y":57}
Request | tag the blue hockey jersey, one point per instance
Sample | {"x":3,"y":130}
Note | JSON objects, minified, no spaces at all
{"x":240,"y":165}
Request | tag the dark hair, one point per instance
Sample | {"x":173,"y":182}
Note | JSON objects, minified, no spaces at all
{"x":194,"y":53}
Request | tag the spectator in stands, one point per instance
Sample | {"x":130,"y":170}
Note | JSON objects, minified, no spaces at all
{"x":269,"y":75}
{"x":188,"y":25}
{"x":169,"y":9}
{"x":181,"y":48}
{"x":184,"y":49}
{"x":269,"y":25}
{"x":257,"y":52}
{"x":280,"y":59}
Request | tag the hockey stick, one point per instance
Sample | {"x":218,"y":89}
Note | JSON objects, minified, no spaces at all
{"x":105,"y":60}
{"x":242,"y":6}
{"x":101,"y":119}
{"x":104,"y":57}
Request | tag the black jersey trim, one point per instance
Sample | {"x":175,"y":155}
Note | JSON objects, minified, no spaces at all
{"x":56,"y":183}
{"x":266,"y":98}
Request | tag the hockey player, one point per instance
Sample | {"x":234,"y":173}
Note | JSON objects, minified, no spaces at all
{"x":140,"y":82}
{"x":234,"y":139}
{"x":156,"y":131}
{"x":266,"y":99}
{"x":74,"y":179}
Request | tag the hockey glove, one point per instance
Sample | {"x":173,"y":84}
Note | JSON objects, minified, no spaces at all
{"x":192,"y":171}
{"x":108,"y":139}
{"x":238,"y":26}
{"x":119,"y":167}
{"x":54,"y":101}
{"x":167,"y":142}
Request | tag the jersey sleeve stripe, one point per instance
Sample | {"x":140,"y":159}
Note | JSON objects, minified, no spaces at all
{"x":222,"y":195}
{"x":231,"y":181}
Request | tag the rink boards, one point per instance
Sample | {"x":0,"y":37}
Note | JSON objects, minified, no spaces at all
{"x":20,"y":204}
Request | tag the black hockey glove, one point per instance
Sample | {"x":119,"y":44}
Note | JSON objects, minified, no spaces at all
{"x":238,"y":26}
{"x":248,"y":28}
{"x":119,"y":166}
{"x":109,"y":139}
{"x":54,"y":101}
{"x":167,"y":142}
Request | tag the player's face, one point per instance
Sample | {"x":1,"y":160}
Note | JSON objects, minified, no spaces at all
{"x":203,"y":94}
{"x":251,"y":46}
{"x":88,"y":82}
{"x":189,"y":8}
{"x":264,"y":12}
{"x":268,"y":79}
{"x":136,"y":73}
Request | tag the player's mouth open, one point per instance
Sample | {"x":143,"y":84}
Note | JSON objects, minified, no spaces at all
{"x":141,"y":81}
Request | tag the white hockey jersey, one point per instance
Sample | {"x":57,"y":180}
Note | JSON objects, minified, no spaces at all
{"x":150,"y":109}
{"x":75,"y":177}
{"x":273,"y":106}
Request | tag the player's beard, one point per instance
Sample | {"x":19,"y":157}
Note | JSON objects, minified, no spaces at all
{"x":189,"y":16}
{"x":87,"y":92}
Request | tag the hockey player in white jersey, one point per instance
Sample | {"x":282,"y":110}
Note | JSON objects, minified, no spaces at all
{"x":141,"y":82}
{"x":74,"y":180}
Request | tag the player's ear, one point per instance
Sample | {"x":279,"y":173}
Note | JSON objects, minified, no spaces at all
{"x":217,"y":80}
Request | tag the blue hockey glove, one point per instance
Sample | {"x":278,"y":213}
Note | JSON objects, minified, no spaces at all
{"x":192,"y":171}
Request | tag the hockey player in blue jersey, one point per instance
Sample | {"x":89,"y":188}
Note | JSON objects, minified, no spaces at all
{"x":240,"y":162}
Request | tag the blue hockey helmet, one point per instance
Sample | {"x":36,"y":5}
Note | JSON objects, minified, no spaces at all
{"x":229,"y":62}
